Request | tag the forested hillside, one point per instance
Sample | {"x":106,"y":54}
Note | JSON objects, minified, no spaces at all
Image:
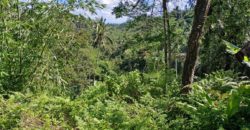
{"x":166,"y":68}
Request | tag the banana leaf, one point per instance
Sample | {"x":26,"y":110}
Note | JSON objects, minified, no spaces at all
{"x":232,"y":49}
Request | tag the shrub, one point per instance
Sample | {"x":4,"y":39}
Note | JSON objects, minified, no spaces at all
{"x":218,"y":101}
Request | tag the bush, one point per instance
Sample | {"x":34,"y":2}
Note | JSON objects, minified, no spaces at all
{"x":217,"y":102}
{"x":220,"y":101}
{"x":121,"y":105}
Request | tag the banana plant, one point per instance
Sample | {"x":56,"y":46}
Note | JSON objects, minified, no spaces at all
{"x":233,"y":50}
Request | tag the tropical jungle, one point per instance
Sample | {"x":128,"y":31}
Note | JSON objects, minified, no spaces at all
{"x":169,"y":65}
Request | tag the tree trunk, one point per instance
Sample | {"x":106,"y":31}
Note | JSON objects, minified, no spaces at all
{"x":167,"y":41}
{"x":201,"y":11}
{"x":164,"y":7}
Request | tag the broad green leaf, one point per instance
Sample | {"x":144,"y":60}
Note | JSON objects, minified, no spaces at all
{"x":246,"y":59}
{"x":234,"y":103}
{"x":231,"y":48}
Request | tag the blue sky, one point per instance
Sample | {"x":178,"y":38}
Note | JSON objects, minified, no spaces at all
{"x":110,"y":4}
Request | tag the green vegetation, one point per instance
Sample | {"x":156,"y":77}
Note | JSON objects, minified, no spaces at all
{"x":128,"y":102}
{"x":64,"y":71}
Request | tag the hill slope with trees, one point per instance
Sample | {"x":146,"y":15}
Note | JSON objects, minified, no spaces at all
{"x":162,"y":69}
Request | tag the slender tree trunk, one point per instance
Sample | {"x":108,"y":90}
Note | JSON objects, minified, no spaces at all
{"x":164,"y":7}
{"x":167,"y":41}
{"x":201,"y":11}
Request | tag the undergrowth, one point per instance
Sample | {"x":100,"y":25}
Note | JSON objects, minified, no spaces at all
{"x":135,"y":101}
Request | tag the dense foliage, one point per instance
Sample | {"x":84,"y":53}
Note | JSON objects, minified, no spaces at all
{"x":127,"y":102}
{"x":64,"y":71}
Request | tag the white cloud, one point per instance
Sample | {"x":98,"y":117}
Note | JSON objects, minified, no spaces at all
{"x":180,"y":3}
{"x":105,"y":13}
{"x":109,"y":2}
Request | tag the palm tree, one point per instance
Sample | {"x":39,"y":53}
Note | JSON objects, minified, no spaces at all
{"x":100,"y":35}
